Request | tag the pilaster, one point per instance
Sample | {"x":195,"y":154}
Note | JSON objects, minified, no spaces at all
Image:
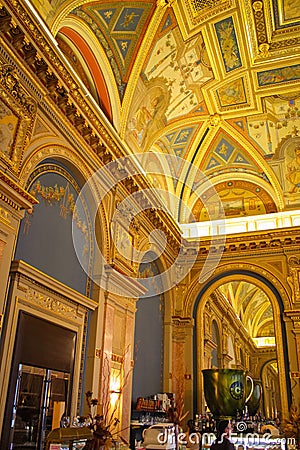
{"x":294,"y":316}
{"x":182,"y":363}
{"x":13,"y":202}
{"x":116,"y":354}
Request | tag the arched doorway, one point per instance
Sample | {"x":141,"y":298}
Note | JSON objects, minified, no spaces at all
{"x":220,"y":300}
{"x":149,"y":336}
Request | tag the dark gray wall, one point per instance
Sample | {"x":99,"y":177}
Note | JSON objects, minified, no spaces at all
{"x":148,"y":357}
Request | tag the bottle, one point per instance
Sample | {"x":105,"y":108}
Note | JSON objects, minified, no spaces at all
{"x":208,"y":423}
{"x":246,"y":413}
{"x":200,"y":425}
{"x":196,"y":422}
{"x":233,"y":425}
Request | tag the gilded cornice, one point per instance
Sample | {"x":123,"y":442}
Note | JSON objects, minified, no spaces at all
{"x":248,"y":244}
{"x":181,"y":325}
{"x":13,"y":194}
{"x":24,"y":108}
{"x":72,"y":108}
{"x":43,"y":288}
{"x":192,"y":14}
{"x":294,"y":315}
{"x":266,"y":41}
{"x":52,"y":58}
{"x":180,"y":321}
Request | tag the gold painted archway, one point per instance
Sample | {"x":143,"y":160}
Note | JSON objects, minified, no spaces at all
{"x":208,"y":292}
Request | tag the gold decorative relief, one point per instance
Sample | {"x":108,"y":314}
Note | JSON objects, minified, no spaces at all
{"x":51,"y":304}
{"x":198,"y":11}
{"x":123,"y":245}
{"x":294,"y":278}
{"x":17,"y":113}
{"x":4,"y":216}
{"x":276,"y":26}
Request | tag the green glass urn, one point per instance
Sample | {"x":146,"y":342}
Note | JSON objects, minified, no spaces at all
{"x":226,"y":391}
{"x":254,"y":400}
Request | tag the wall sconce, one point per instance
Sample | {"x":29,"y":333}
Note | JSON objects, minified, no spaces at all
{"x":115,"y":390}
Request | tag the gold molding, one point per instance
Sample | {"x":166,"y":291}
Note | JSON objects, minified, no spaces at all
{"x":53,"y":151}
{"x":31,"y":278}
{"x":235,"y":269}
{"x":13,"y":194}
{"x":212,"y":286}
{"x":23,"y":107}
{"x":294,"y":278}
{"x":51,"y":304}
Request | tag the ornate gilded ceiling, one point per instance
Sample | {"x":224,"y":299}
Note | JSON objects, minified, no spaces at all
{"x":253,"y":308}
{"x":216,"y":83}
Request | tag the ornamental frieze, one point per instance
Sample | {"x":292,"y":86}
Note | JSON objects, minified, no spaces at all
{"x":51,"y":304}
{"x":17,"y":114}
{"x":294,"y":278}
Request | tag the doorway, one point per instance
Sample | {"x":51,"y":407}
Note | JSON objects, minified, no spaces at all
{"x":41,"y":380}
{"x":40,"y":401}
{"x":248,"y":312}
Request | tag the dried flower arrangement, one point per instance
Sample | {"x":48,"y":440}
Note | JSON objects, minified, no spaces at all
{"x":102,"y":435}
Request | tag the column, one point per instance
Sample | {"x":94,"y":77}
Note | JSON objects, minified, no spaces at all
{"x":13,"y":202}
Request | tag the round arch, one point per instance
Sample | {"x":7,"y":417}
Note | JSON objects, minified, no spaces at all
{"x":82,"y":49}
{"x":277,"y":301}
{"x":76,"y":165}
{"x":249,"y":183}
{"x":96,"y":53}
{"x":263,"y":371}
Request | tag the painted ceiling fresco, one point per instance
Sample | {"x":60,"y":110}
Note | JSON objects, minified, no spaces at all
{"x":252,"y":306}
{"x":216,"y":86}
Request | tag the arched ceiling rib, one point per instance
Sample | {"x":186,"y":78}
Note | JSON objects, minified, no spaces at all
{"x":217,"y":85}
{"x":97,"y":84}
{"x":252,"y":306}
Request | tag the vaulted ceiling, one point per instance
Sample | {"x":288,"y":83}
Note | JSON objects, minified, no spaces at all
{"x":253,"y":309}
{"x":207,"y":94}
{"x":215,"y":84}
